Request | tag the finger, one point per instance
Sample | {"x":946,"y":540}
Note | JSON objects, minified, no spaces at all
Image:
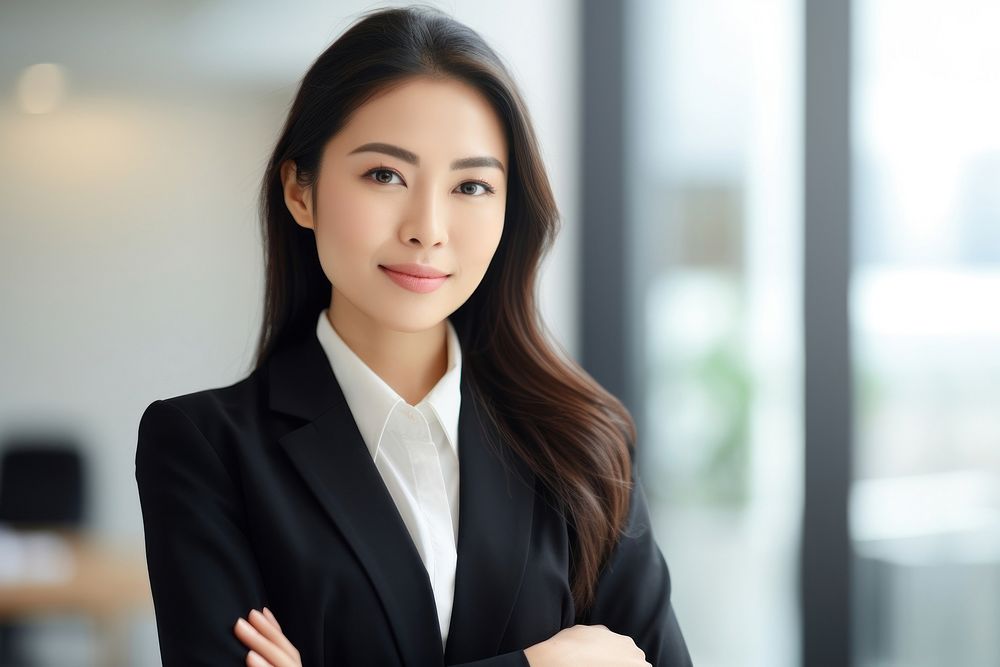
{"x":272,"y":632}
{"x":270,"y":617}
{"x":254,"y":660}
{"x":267,"y":649}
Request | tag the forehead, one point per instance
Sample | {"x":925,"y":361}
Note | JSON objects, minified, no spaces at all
{"x":433,"y":117}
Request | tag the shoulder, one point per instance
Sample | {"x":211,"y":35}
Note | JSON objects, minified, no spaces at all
{"x":209,"y":408}
{"x":218,"y":416}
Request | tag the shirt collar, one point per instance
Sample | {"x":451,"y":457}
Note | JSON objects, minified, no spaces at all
{"x":371,"y":400}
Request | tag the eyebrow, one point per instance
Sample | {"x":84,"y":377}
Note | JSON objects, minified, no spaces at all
{"x":409,"y":156}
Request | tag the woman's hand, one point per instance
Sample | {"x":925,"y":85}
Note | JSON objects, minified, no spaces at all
{"x":586,"y":646}
{"x":268,"y":646}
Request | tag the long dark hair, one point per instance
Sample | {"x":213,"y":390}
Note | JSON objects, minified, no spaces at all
{"x":571,"y":432}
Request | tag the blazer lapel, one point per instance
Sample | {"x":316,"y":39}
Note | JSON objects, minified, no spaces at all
{"x":494,"y":531}
{"x":495,"y":511}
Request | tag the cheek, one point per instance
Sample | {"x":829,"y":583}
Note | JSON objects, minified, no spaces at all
{"x":350,"y":226}
{"x":481,"y":237}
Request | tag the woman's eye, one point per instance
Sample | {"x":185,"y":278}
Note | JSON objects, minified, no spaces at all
{"x":464,"y":188}
{"x":383,"y":175}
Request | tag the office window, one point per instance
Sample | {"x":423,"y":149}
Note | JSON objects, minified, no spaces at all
{"x":925,"y":306}
{"x":713,"y":199}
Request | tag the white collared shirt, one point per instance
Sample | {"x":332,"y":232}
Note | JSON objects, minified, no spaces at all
{"x":415,"y":449}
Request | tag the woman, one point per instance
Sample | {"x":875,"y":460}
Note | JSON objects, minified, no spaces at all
{"x":402,"y":374}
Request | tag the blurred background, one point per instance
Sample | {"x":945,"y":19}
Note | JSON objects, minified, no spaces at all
{"x":794,"y":210}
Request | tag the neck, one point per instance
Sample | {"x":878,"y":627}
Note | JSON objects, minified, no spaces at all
{"x":411,"y":362}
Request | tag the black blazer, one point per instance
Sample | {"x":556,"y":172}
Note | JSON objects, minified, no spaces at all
{"x":264,"y":493}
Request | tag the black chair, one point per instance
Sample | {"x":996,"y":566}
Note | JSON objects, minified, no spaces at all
{"x":41,"y":485}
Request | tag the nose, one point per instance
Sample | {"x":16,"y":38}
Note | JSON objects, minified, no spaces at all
{"x":425,"y":223}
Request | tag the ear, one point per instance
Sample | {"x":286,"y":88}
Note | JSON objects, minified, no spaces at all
{"x":297,"y":199}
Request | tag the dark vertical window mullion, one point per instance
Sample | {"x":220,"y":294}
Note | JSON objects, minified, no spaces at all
{"x":826,"y":550}
{"x":607,"y":323}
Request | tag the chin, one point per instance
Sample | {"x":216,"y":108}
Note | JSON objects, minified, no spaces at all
{"x":413,"y":320}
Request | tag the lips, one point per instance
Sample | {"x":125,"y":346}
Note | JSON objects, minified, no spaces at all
{"x":413,"y":283}
{"x":417,"y":270}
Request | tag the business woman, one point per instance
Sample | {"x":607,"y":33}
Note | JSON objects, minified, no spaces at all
{"x":411,"y":474}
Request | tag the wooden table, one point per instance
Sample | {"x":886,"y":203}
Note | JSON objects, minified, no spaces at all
{"x":108,"y":584}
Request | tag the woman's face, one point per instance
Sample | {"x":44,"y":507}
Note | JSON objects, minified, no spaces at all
{"x":418,"y":175}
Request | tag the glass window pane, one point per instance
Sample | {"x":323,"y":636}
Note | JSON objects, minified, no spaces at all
{"x":925,"y":503}
{"x":713,"y":191}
